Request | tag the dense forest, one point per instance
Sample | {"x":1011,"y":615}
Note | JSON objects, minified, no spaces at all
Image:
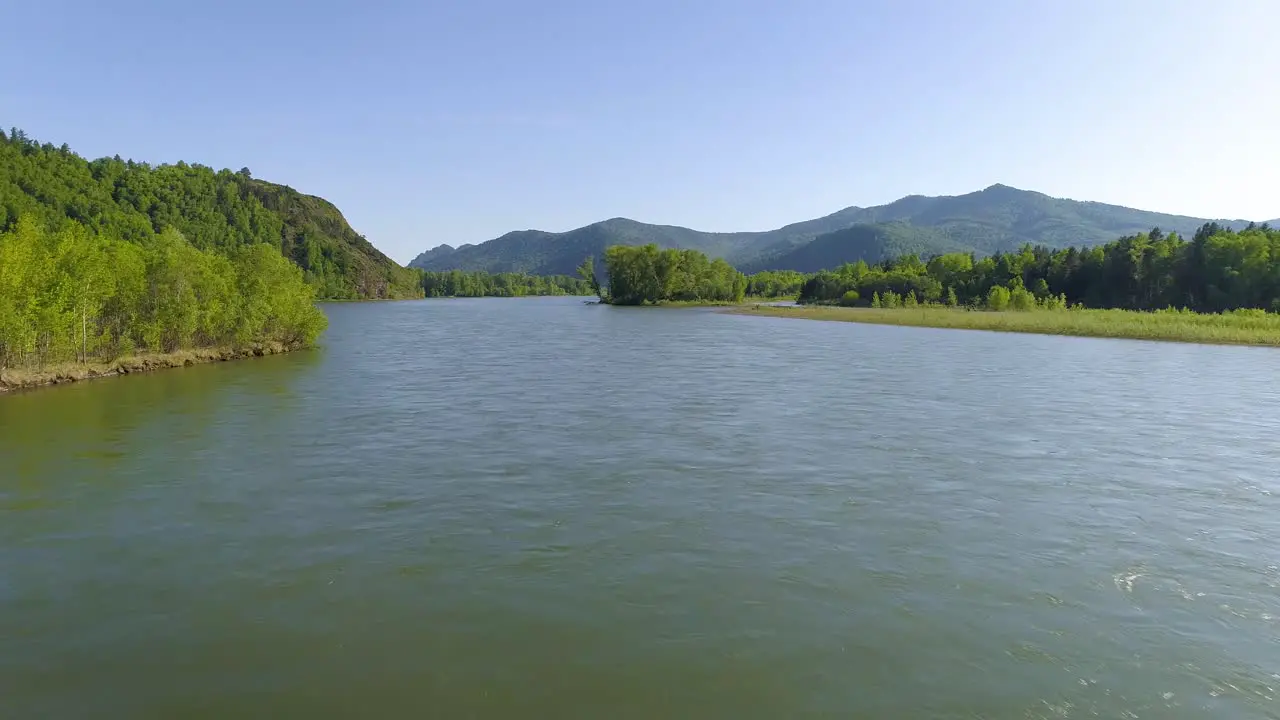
{"x":1217,"y":270}
{"x":456,"y":283}
{"x":72,"y":294}
{"x":775,"y":284}
{"x":216,"y":211}
{"x":647,"y":274}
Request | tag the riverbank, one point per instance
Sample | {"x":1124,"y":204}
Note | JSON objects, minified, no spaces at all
{"x":25,"y":378}
{"x":1236,"y":328}
{"x":745,"y":303}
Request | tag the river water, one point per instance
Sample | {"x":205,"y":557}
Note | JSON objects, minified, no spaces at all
{"x":493,"y":508}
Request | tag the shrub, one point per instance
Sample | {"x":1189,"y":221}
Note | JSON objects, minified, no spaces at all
{"x":998,"y":298}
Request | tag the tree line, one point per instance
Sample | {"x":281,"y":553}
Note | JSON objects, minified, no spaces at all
{"x":459,"y":283}
{"x":646,"y":274}
{"x":72,"y":294}
{"x":1217,"y":270}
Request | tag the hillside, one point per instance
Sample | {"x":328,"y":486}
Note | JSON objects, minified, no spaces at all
{"x":546,"y":253}
{"x":214,"y":210}
{"x":995,"y":219}
{"x":871,"y":243}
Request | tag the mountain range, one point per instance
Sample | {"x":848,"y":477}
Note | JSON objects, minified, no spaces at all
{"x":998,"y":218}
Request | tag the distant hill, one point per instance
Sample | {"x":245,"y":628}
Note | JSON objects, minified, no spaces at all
{"x":870,"y":242}
{"x":998,"y":218}
{"x":434,"y":253}
{"x":546,"y":253}
{"x":214,"y":210}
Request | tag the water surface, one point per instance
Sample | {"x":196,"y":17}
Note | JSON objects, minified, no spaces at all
{"x":537,"y":508}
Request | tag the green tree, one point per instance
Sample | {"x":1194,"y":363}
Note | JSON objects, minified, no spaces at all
{"x":998,"y":298}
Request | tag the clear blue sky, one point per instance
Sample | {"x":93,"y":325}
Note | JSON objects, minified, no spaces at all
{"x":455,"y":122}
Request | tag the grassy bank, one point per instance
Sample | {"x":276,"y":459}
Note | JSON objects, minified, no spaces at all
{"x":745,"y":303}
{"x":1247,"y":327}
{"x":22,"y":378}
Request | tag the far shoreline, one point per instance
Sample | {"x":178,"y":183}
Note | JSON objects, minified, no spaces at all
{"x":1261,"y":330}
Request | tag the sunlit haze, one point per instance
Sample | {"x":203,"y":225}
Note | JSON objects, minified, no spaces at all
{"x":429,"y":123}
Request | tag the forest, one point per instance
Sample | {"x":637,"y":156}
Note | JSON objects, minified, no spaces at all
{"x":1217,"y":270}
{"x":457,"y":283}
{"x":216,"y":211}
{"x":645,"y":274}
{"x":71,"y":294}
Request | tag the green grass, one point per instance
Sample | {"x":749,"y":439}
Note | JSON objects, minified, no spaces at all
{"x":1243,"y":327}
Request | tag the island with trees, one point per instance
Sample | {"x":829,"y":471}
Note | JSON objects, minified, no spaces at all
{"x":648,"y":275}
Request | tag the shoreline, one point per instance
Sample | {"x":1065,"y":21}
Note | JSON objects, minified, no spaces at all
{"x":1185,"y":327}
{"x":17,"y":379}
{"x":726,"y":304}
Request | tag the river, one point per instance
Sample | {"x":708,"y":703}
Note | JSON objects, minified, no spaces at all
{"x":490,"y":508}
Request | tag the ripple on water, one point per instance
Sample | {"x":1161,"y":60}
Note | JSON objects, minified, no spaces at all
{"x":537,"y":508}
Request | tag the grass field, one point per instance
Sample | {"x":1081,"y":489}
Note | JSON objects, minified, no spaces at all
{"x":1242,"y":327}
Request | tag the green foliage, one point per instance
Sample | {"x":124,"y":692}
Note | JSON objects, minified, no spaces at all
{"x":1020,"y":298}
{"x":587,"y":272}
{"x":1053,"y":302}
{"x":71,"y":294}
{"x":876,"y":302}
{"x":850,"y":298}
{"x":456,"y":283}
{"x":998,"y":298}
{"x":647,"y":274}
{"x":1218,"y":270}
{"x":775,"y":284}
{"x":217,"y":211}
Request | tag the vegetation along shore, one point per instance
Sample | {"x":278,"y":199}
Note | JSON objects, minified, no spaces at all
{"x":1222,"y":286}
{"x":1239,"y":327}
{"x":69,"y":298}
{"x":57,"y":374}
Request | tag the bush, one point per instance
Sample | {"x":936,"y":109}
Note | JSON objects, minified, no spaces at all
{"x":1021,"y":299}
{"x":849,"y":299}
{"x":998,"y":298}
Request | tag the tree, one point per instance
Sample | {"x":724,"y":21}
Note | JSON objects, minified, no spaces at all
{"x":998,"y":298}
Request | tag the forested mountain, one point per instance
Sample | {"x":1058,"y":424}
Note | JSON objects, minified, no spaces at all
{"x":546,"y":253}
{"x":862,"y":242}
{"x":999,"y":218}
{"x":217,"y":211}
